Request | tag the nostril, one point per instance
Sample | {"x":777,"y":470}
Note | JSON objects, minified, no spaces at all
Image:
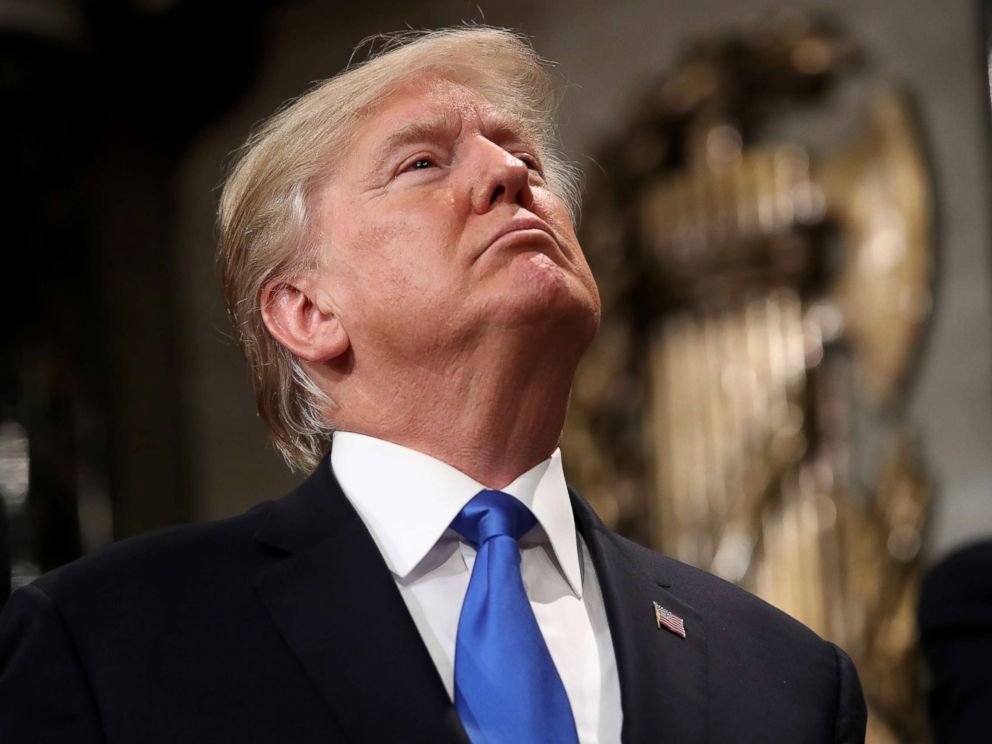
{"x":497,"y":193}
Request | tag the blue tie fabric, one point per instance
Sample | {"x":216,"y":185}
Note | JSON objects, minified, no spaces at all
{"x":507,"y":689}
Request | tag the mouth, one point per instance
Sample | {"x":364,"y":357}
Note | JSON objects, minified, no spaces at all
{"x":521,"y":230}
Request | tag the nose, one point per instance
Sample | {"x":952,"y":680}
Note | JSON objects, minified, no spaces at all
{"x":498,"y":176}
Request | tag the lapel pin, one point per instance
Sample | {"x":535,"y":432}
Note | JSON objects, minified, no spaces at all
{"x":668,"y":619}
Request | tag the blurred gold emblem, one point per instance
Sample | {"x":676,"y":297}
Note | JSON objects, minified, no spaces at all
{"x":762,"y":234}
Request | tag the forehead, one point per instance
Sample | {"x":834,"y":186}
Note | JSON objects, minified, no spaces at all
{"x":434,"y":105}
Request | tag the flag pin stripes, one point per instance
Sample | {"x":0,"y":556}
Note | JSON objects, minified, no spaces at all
{"x":668,"y":619}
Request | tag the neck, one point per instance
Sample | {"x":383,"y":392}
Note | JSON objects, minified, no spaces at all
{"x":491,"y":415}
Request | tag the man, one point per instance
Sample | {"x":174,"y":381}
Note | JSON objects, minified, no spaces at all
{"x":400,"y":262}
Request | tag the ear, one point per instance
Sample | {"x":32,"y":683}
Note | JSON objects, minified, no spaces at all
{"x":297,"y":321}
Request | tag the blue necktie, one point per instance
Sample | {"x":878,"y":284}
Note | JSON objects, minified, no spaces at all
{"x":507,"y":690}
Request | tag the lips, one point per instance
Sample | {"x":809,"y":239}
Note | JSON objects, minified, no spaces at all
{"x":521,"y":226}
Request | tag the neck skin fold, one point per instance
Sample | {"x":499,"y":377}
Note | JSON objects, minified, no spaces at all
{"x":492,"y":407}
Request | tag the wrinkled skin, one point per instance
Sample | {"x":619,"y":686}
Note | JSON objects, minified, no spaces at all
{"x":454,"y":301}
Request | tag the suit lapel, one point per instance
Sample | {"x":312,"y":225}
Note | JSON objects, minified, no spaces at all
{"x":662,"y":675}
{"x":337,"y":606}
{"x":332,"y":598}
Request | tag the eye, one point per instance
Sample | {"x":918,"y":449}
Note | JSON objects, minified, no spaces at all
{"x":419,"y":163}
{"x":530,"y":161}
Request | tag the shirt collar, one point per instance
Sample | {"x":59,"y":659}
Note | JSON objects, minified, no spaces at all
{"x":407,"y":500}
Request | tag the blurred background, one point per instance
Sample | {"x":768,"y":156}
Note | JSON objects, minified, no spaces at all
{"x":787,"y":207}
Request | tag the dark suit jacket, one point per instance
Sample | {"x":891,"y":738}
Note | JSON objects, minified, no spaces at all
{"x":284,"y":625}
{"x":955,"y":617}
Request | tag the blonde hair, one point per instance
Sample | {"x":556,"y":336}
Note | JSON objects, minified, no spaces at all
{"x":265,"y":217}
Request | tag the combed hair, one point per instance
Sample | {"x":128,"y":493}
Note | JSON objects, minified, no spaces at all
{"x":265,"y":218}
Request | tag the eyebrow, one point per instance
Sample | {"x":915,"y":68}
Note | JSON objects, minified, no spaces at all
{"x":497,"y":126}
{"x":502,"y":128}
{"x":442,"y":126}
{"x":502,"y":125}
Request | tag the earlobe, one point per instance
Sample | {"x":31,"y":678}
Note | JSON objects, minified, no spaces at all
{"x":298,"y":322}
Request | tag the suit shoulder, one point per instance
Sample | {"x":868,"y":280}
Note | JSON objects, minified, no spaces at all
{"x":737,"y":610}
{"x":155,"y":557}
{"x":755,"y":646}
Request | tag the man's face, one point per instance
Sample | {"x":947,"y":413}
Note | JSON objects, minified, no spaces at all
{"x":438,"y":228}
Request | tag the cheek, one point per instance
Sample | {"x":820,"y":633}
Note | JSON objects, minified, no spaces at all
{"x":557,"y":215}
{"x":552,"y":209}
{"x":394,"y":273}
{"x":562,"y":224}
{"x":394,"y":258}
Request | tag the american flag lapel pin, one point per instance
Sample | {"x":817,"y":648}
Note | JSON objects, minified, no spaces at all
{"x":668,"y":619}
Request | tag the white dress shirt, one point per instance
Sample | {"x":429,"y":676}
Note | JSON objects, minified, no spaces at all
{"x":408,"y":500}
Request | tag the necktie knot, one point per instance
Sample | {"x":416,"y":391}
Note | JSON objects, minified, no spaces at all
{"x":492,"y":514}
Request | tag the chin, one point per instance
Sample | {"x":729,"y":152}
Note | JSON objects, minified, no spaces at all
{"x":541,"y":292}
